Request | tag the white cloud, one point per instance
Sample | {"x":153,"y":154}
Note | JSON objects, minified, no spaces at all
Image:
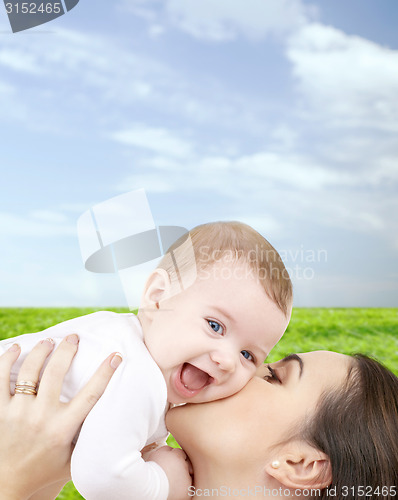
{"x":5,"y":88}
{"x":96,"y":60}
{"x":77,"y":208}
{"x":27,"y":284}
{"x":48,"y":216}
{"x":12,"y":107}
{"x":145,"y":9}
{"x":157,"y":140}
{"x":25,"y":63}
{"x":36,"y":224}
{"x":156,"y":30}
{"x":264,"y":224}
{"x":339,"y":290}
{"x":282,"y":183}
{"x":79,"y":77}
{"x":176,"y":159}
{"x":91,"y":77}
{"x":284,"y":136}
{"x":150,"y":181}
{"x":298,"y":171}
{"x":347,"y":80}
{"x":264,"y":169}
{"x":224,"y":19}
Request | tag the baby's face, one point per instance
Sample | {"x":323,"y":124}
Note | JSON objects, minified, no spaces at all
{"x":209,"y":339}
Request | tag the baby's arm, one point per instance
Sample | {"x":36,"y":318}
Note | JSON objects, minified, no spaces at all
{"x":176,"y":465}
{"x":106,"y":462}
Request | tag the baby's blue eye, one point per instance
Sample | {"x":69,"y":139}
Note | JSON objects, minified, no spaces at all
{"x":216,"y":326}
{"x":247,"y":355}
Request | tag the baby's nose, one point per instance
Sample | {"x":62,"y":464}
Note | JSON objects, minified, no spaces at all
{"x":224,"y":359}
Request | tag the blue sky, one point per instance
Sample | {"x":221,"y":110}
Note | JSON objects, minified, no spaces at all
{"x":279,"y":113}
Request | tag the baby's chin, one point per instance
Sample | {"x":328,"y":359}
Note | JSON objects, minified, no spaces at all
{"x":197,"y":399}
{"x":177,"y":402}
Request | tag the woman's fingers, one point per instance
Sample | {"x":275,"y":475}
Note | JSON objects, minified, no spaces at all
{"x":59,"y":364}
{"x":31,"y":367}
{"x":6,"y":361}
{"x":81,"y":404}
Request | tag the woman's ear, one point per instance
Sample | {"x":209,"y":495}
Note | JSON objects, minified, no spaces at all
{"x":157,"y":288}
{"x":301,"y":466}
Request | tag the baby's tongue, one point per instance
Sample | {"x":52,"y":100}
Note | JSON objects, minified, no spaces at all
{"x":193,"y":378}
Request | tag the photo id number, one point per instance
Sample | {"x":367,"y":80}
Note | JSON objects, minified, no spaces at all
{"x":368,"y":491}
{"x":34,"y":8}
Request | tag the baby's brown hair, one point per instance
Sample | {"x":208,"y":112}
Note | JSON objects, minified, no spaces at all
{"x":236,"y":242}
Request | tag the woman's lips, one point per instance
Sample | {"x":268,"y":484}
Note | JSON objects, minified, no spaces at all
{"x":190,"y":380}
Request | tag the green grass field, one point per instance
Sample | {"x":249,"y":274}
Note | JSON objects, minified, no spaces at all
{"x":370,"y":331}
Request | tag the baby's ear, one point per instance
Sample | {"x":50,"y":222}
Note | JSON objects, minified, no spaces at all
{"x":157,"y":288}
{"x":301,"y":467}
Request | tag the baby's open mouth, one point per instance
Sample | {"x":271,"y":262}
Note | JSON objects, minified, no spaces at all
{"x":194,"y":379}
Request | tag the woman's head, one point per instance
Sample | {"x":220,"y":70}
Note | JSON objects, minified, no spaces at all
{"x":357,"y":428}
{"x":288,"y":432}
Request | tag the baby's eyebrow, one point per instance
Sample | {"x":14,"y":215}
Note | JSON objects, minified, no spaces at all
{"x":294,"y":357}
{"x":221,"y":311}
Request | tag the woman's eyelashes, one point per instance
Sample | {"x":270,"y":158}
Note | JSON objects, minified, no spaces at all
{"x":216,"y":326}
{"x":272,"y":376}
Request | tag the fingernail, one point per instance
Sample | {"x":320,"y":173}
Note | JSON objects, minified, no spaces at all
{"x":72,"y":339}
{"x":50,"y":341}
{"x":14,"y":347}
{"x":116,"y":360}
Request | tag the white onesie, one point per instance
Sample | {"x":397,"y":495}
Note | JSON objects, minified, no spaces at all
{"x":106,"y":462}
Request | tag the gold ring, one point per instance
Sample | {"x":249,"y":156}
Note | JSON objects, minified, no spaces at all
{"x":26,"y":383}
{"x":26,"y":387}
{"x":32,"y":392}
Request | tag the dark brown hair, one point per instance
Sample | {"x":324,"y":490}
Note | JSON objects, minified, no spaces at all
{"x":357,"y":427}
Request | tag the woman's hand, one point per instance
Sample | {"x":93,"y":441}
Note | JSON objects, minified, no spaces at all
{"x":36,"y":431}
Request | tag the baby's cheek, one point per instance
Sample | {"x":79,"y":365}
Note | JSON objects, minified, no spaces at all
{"x":249,"y":375}
{"x":239,"y":383}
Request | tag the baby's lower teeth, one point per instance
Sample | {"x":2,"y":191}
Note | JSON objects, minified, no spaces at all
{"x":185,"y":385}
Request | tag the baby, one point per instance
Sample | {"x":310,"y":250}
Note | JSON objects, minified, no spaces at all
{"x":196,"y":345}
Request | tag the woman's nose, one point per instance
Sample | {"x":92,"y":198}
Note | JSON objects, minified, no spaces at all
{"x":224,"y":359}
{"x":262,"y":371}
